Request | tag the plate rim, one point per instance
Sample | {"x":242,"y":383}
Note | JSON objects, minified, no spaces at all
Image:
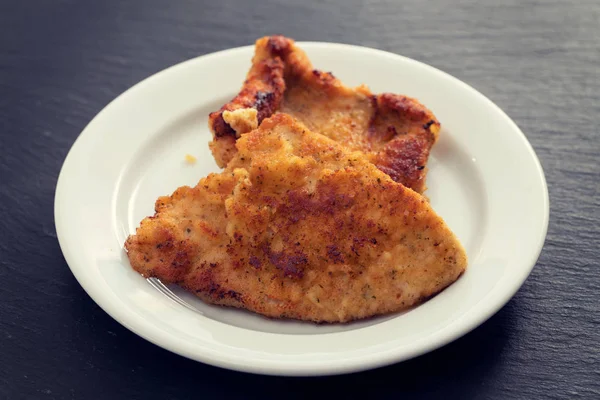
{"x":271,"y":367}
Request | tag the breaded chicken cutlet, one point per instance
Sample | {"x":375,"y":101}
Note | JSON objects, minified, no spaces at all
{"x":297,"y":226}
{"x":394,"y":131}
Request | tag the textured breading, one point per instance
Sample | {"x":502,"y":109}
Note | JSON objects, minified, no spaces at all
{"x":299,"y":227}
{"x":395,"y":132}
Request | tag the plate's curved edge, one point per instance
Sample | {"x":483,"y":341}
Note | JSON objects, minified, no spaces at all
{"x":308,"y":369}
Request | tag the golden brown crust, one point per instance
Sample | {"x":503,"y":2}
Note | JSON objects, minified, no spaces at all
{"x":382,"y":126}
{"x":262,"y":90}
{"x":299,"y":227}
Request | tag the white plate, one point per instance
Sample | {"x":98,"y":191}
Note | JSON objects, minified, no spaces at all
{"x":484,"y":180}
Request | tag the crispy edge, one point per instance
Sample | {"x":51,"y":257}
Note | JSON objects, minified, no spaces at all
{"x":405,"y":154}
{"x":264,"y":85}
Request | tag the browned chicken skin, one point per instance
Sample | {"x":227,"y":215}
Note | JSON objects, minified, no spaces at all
{"x":395,"y":132}
{"x":297,"y":226}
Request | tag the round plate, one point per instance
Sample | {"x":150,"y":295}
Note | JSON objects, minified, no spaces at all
{"x":484,"y":180}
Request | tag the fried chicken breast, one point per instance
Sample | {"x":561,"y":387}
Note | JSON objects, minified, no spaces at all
{"x":394,"y":131}
{"x":297,"y":226}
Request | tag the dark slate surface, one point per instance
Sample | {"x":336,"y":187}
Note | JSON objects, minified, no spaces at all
{"x":62,"y":61}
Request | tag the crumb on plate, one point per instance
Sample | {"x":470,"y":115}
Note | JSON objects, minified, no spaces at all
{"x":190,"y":159}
